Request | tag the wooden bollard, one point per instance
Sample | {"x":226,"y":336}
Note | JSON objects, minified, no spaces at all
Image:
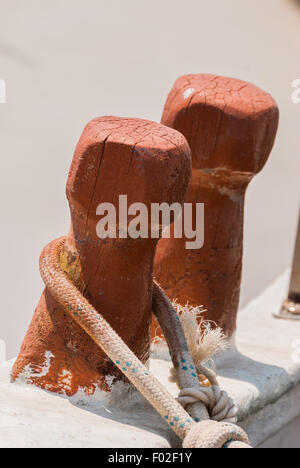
{"x":115,"y":157}
{"x":230,"y":126}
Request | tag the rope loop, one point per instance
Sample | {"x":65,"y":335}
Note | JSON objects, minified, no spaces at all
{"x":215,"y":435}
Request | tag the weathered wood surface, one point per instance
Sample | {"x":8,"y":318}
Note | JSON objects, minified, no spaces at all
{"x":230,"y":126}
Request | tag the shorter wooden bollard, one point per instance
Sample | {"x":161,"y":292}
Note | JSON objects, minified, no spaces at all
{"x":147,"y":163}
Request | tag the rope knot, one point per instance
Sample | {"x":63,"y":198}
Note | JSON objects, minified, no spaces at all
{"x":219,"y":405}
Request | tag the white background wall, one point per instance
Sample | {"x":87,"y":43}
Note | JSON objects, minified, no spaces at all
{"x":65,"y":62}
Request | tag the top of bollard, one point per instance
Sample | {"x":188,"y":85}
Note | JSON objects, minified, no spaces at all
{"x":146,"y":161}
{"x":133,"y":133}
{"x":229,"y":124}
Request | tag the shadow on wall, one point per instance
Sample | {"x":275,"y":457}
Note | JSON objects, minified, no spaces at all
{"x":16,"y":54}
{"x":2,"y":351}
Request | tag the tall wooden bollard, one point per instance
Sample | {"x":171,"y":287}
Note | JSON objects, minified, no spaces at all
{"x":115,"y":157}
{"x":230,"y":126}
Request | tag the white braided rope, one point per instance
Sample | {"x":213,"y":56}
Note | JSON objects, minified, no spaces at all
{"x":212,"y":434}
{"x":67,"y":295}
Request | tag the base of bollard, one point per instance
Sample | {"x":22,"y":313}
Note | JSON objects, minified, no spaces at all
{"x":289,"y":311}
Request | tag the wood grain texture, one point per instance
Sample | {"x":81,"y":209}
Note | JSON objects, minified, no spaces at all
{"x":230,"y":126}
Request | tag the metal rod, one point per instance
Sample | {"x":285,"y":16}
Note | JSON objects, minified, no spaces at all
{"x":290,"y":308}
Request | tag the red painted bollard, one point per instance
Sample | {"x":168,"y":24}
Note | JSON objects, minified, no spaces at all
{"x":115,"y":157}
{"x":230,"y":126}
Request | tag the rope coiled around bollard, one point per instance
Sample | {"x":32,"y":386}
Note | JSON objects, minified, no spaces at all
{"x":206,"y":433}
